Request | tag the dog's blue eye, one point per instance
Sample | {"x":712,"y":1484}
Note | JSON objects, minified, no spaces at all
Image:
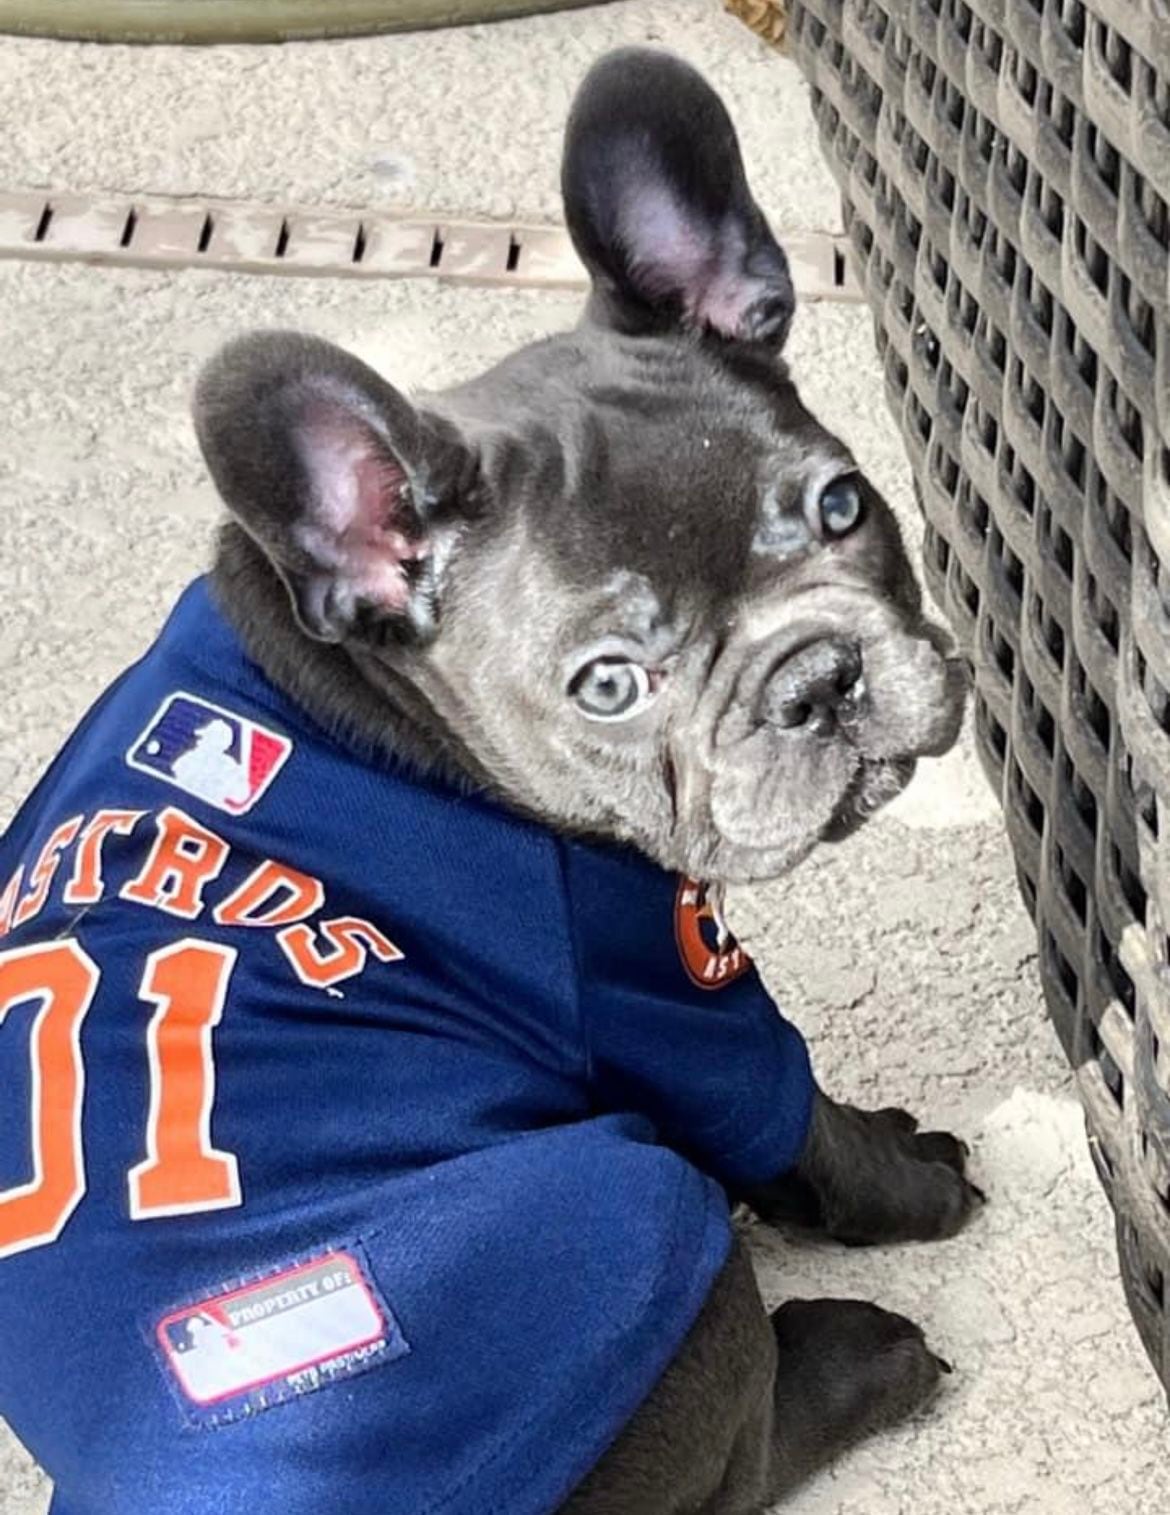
{"x":840,"y":507}
{"x":611,"y":689}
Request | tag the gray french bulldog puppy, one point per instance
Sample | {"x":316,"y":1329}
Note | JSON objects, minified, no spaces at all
{"x":626,"y":584}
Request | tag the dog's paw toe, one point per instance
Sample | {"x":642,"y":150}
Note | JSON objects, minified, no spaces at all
{"x":948,"y":1196}
{"x":952,"y":1199}
{"x":941,"y":1147}
{"x":896,"y":1117}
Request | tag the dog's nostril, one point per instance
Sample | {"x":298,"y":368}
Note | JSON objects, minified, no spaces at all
{"x":808,"y":688}
{"x":791,"y":716}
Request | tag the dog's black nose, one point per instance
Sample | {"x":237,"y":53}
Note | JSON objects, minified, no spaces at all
{"x":808,"y":688}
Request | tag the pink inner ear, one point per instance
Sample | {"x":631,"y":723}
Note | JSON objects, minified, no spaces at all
{"x":361,"y":504}
{"x":674,"y":253}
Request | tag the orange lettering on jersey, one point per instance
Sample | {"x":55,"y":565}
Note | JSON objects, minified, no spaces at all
{"x":87,"y":885}
{"x":257,"y":901}
{"x":8,"y":901}
{"x":63,"y":978}
{"x":185,"y":858}
{"x":183,"y":1173}
{"x":44,"y":870}
{"x":348,"y":940}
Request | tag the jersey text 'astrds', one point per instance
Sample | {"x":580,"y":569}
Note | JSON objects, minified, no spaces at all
{"x":179,"y":872}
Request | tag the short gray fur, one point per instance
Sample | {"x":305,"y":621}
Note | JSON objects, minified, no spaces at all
{"x":647,"y":492}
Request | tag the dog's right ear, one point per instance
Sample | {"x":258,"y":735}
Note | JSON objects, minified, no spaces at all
{"x":658,"y":206}
{"x":354,"y":495}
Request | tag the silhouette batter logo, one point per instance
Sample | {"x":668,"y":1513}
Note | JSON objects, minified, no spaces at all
{"x":209,"y":752}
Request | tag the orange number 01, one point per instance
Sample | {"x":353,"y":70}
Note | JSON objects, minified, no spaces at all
{"x":187,"y":984}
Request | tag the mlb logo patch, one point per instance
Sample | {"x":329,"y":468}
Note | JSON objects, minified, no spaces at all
{"x":209,"y":752}
{"x":287,"y":1333}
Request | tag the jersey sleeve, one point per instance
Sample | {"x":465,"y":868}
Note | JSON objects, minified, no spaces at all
{"x":725,"y":1079}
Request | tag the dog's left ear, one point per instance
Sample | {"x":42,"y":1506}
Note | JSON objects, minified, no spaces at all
{"x":355,"y":496}
{"x":659,"y":208}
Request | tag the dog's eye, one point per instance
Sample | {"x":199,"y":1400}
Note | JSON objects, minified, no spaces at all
{"x":840,"y":507}
{"x":612,"y":689}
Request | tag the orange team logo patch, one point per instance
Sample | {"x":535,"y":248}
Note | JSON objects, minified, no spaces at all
{"x":710,"y":954}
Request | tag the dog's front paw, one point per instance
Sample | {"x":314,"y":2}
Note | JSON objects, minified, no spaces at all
{"x":887,"y":1181}
{"x":872,"y":1176}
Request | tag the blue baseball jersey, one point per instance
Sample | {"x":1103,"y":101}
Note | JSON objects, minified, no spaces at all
{"x":362,"y":1144}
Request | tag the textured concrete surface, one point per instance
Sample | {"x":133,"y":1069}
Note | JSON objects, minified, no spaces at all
{"x":904,"y":954}
{"x":463,"y":121}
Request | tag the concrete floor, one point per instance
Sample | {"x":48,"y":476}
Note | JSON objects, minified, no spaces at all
{"x":904,"y":954}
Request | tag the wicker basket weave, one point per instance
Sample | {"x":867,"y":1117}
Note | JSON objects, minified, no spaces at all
{"x":1005,"y":168}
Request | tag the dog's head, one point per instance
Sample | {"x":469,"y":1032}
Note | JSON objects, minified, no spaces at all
{"x":650,"y":594}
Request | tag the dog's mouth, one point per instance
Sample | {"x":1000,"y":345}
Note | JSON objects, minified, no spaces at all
{"x":781,"y":835}
{"x":769,"y":850}
{"x":874,"y":785}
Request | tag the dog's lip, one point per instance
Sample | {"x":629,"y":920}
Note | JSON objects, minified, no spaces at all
{"x":670,"y":782}
{"x":850,"y":814}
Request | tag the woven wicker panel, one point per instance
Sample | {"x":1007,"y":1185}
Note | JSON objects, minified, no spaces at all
{"x":1005,"y":168}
